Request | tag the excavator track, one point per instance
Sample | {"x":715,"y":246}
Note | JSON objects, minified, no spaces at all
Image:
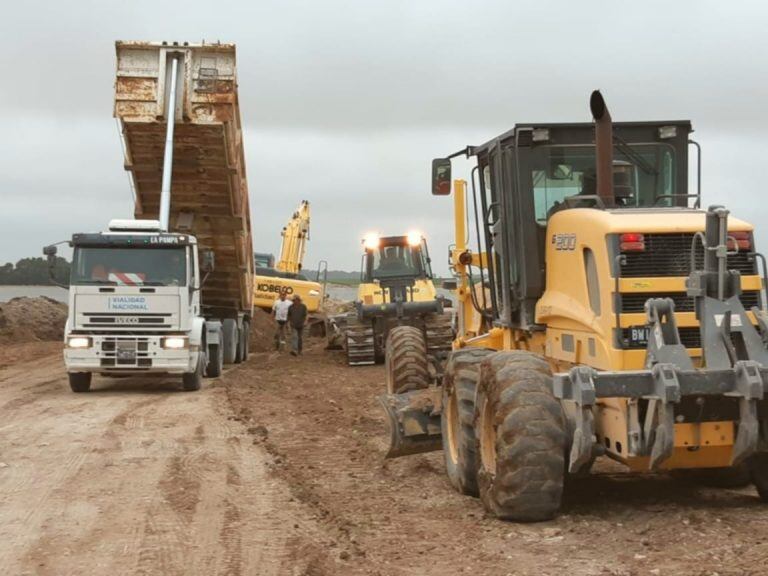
{"x":361,"y":349}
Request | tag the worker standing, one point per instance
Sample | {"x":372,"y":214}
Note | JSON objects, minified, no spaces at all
{"x":280,"y":312}
{"x":297,"y":316}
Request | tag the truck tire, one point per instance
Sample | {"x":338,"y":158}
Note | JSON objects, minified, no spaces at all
{"x":759,"y":471}
{"x":521,"y":438}
{"x":192,"y":381}
{"x":215,"y":361}
{"x":230,"y":340}
{"x":246,"y":339}
{"x":462,"y":372}
{"x":80,"y":381}
{"x":406,"y":362}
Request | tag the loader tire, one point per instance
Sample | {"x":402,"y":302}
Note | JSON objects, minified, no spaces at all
{"x":520,"y":438}
{"x":462,"y":372}
{"x":759,"y":472}
{"x":406,"y":361}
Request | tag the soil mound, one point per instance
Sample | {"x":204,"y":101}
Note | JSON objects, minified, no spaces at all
{"x":32,"y":320}
{"x":263,"y":328}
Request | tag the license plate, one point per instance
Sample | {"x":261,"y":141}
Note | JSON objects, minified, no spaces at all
{"x":126,"y":351}
{"x":639,"y":335}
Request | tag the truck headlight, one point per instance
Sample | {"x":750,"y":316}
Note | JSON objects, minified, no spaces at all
{"x":78,"y":342}
{"x":174,"y":343}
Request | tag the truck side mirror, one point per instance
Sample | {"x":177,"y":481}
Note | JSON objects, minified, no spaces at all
{"x":450,"y":284}
{"x":441,"y":176}
{"x":50,"y":252}
{"x":208,"y":261}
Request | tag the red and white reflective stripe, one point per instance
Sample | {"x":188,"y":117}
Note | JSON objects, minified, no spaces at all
{"x":126,"y":279}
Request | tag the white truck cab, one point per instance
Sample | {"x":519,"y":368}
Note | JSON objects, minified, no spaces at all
{"x":134,"y":306}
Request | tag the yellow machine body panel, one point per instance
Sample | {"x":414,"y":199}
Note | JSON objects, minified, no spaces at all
{"x":268,"y":288}
{"x":371,"y":293}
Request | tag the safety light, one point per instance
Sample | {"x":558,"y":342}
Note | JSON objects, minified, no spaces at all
{"x":78,"y":342}
{"x":371,"y":241}
{"x":414,"y":238}
{"x":739,"y":240}
{"x":174,"y":343}
{"x":632,"y":242}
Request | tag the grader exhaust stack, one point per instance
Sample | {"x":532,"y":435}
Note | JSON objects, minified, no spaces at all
{"x":603,"y":146}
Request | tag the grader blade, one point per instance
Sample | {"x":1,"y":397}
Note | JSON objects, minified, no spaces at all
{"x":414,"y":422}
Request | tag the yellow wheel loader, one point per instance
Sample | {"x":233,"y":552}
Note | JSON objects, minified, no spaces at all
{"x":399,"y":317}
{"x":601,"y":313}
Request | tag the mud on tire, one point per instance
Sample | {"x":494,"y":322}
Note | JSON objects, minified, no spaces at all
{"x":462,"y":372}
{"x":520,"y":438}
{"x":406,"y":361}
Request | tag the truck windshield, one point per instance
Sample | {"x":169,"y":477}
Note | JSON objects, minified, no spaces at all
{"x":643,"y":176}
{"x":129,"y":266}
{"x":396,"y":260}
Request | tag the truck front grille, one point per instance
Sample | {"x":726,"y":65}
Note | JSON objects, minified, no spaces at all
{"x":669,"y":255}
{"x":145,"y":320}
{"x":125,"y":352}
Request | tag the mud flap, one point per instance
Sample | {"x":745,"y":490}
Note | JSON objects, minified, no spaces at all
{"x":414,"y":421}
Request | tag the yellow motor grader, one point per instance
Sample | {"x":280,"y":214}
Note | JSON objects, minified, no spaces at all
{"x":602,"y":312}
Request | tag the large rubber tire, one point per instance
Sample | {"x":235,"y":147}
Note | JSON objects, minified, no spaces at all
{"x":406,"y":361}
{"x":759,"y":471}
{"x":246,"y":334}
{"x":231,"y":340}
{"x":192,"y":381}
{"x":215,"y":361}
{"x":80,"y":382}
{"x":462,"y":372}
{"x":520,"y":438}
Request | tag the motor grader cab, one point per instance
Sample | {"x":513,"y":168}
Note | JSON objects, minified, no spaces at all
{"x":614,"y":317}
{"x":399,"y":317}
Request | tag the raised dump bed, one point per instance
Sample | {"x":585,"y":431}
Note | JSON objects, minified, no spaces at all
{"x":209,"y":191}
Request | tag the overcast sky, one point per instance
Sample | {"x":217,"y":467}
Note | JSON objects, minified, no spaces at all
{"x":345,"y":103}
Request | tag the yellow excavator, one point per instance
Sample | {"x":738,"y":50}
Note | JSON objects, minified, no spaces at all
{"x":601,"y":312}
{"x":286,"y":276}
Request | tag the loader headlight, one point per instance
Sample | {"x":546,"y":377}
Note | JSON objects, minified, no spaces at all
{"x":174,"y":343}
{"x":78,"y":342}
{"x":371,"y":241}
{"x":414,"y":238}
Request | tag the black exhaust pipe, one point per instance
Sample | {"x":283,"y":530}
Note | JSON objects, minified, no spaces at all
{"x":603,"y":147}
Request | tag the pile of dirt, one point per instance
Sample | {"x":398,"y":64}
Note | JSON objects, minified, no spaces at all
{"x":332,"y":306}
{"x":263,"y":328}
{"x":32,"y":320}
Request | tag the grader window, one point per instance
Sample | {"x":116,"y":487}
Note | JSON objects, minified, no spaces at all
{"x":643,"y":176}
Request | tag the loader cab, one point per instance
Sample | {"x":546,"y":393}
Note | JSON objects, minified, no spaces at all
{"x":395,"y":257}
{"x":534,"y":171}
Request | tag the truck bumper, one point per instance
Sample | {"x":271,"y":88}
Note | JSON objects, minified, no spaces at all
{"x":120,"y":354}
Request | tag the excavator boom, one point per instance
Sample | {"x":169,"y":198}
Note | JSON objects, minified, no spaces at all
{"x":295,"y":235}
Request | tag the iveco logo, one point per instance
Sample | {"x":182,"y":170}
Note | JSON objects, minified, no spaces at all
{"x":126,"y":320}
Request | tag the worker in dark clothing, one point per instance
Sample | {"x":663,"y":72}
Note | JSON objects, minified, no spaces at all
{"x":297,"y":317}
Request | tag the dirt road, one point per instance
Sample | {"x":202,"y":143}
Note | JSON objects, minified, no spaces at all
{"x":277,"y":468}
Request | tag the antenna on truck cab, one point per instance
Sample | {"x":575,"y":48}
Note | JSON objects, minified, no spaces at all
{"x":170,"y":115}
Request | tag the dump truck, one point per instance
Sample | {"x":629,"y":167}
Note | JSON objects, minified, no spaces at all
{"x":287,"y":275}
{"x":601,"y":312}
{"x":169,"y":291}
{"x":398,"y":307}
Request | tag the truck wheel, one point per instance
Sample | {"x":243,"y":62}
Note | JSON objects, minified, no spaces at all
{"x":521,"y":437}
{"x":80,"y":381}
{"x":215,"y":361}
{"x":406,"y":362}
{"x":192,"y":381}
{"x":246,"y":334}
{"x":759,"y":471}
{"x":462,"y":372}
{"x":231,"y":341}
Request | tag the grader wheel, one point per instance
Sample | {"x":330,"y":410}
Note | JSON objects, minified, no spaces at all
{"x":406,"y":361}
{"x":462,"y":373}
{"x":520,"y":438}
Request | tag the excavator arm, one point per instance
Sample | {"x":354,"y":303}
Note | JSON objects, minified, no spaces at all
{"x":295,"y":235}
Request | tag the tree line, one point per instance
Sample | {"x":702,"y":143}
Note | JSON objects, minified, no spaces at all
{"x":33,"y":271}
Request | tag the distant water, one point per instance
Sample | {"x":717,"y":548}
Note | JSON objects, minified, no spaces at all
{"x":335,"y":291}
{"x":9,"y":292}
